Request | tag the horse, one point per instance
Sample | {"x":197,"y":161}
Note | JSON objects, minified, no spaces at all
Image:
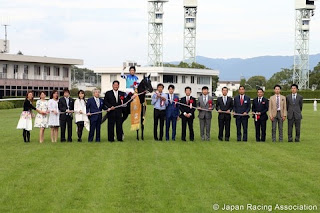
{"x":143,"y":87}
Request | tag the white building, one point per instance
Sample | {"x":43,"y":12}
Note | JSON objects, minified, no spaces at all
{"x":233,"y":87}
{"x":180,"y":77}
{"x":20,"y":73}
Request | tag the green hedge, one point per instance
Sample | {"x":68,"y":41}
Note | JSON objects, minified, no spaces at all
{"x":268,"y":93}
{"x":6,"y":105}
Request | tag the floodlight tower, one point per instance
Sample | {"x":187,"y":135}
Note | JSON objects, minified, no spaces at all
{"x":155,"y":32}
{"x":190,"y":30}
{"x":304,"y":12}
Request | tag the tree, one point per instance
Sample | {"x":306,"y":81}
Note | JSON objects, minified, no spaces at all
{"x":257,"y":81}
{"x":314,"y":79}
{"x":283,"y":78}
{"x":83,"y":75}
{"x":215,"y":81}
{"x":243,"y":82}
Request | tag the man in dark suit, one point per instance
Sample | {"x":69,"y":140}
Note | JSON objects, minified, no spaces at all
{"x":112,"y":99}
{"x":187,"y":114}
{"x":260,"y":107}
{"x":95,"y":105}
{"x":224,"y":107}
{"x":66,"y":107}
{"x":172,"y":113}
{"x":242,"y":106}
{"x":294,"y":107}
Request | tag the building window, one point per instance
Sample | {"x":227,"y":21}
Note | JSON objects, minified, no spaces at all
{"x":155,"y":78}
{"x":113,"y":78}
{"x":170,"y":79}
{"x":47,"y":70}
{"x":26,"y":69}
{"x":5,"y":68}
{"x":192,"y":79}
{"x":56,"y":71}
{"x":37,"y":70}
{"x":183,"y":79}
{"x":15,"y":71}
{"x":65,"y":72}
{"x":203,"y":80}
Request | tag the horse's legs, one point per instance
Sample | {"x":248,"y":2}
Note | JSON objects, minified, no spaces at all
{"x":142,"y":130}
{"x":137,"y":134}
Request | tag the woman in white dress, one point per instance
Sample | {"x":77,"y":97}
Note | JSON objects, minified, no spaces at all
{"x":25,"y":121}
{"x":41,"y":120}
{"x":54,"y":122}
{"x":81,"y":118}
{"x":315,"y":105}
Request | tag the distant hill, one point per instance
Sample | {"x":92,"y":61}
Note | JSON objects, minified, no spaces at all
{"x":234,"y":68}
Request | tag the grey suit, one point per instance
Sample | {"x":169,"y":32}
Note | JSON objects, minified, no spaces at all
{"x":205,"y":117}
{"x":294,"y":115}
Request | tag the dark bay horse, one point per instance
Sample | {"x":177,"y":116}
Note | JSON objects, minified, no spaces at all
{"x":144,"y":87}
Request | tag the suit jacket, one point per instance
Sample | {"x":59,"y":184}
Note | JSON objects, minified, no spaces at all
{"x":186,"y":109}
{"x":205,"y":114}
{"x":62,"y":104}
{"x":245,"y":107}
{"x":110,"y":101}
{"x":262,"y":107}
{"x":92,"y":108}
{"x":273,"y":106}
{"x":294,"y":109}
{"x":220,"y":106}
{"x":172,"y":109}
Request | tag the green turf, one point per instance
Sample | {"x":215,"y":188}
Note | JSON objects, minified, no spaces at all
{"x":153,"y":176}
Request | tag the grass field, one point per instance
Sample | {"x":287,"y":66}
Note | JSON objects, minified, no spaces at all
{"x":153,"y":176}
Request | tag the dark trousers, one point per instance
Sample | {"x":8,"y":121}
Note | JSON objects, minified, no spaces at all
{"x":261,"y":126}
{"x":186,"y":121}
{"x":242,"y":121}
{"x":80,"y":126}
{"x":297,"y":124}
{"x":170,"y":120}
{"x":224,"y":125}
{"x":158,"y":115}
{"x":67,"y":123}
{"x":95,"y":126}
{"x":115,"y":121}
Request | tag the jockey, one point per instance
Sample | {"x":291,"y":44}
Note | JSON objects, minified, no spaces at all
{"x":132,"y":81}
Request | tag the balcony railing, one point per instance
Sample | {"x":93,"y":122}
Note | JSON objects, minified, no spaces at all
{"x":24,"y":76}
{"x":3,"y":75}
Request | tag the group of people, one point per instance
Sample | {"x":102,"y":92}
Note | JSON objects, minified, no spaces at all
{"x":168,"y":109}
{"x":60,"y":113}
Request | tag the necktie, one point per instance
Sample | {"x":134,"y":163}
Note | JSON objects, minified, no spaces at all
{"x":188,"y":99}
{"x":205,"y":99}
{"x":278,"y":102}
{"x":97,"y":102}
{"x":259,"y":100}
{"x":171,"y":98}
{"x":116,"y":96}
{"x":241,"y":100}
{"x":224,"y":100}
{"x":294,"y":99}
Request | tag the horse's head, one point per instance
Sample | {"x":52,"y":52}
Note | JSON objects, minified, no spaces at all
{"x":145,"y":85}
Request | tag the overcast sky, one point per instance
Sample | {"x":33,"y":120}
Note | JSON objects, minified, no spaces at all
{"x":106,"y":33}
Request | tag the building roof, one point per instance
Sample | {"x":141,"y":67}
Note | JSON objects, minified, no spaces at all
{"x":162,"y":70}
{"x":40,"y":59}
{"x":228,"y":82}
